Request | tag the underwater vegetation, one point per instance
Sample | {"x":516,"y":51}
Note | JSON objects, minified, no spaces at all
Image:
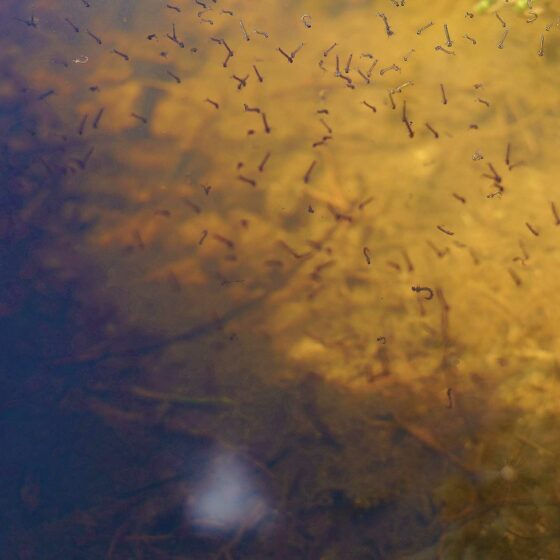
{"x":279,"y":279}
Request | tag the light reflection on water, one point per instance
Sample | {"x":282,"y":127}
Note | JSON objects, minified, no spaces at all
{"x":225,"y":498}
{"x":233,"y":259}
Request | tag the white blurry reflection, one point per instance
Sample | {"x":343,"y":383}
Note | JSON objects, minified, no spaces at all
{"x":226,"y":498}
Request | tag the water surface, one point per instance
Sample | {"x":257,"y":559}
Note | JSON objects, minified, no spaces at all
{"x":297,"y":301}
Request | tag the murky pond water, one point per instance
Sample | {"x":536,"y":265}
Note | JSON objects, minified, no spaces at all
{"x":279,"y":279}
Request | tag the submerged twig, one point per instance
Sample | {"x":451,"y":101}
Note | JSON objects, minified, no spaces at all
{"x":177,"y":398}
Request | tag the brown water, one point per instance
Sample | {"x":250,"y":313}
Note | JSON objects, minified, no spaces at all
{"x":320,"y":333}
